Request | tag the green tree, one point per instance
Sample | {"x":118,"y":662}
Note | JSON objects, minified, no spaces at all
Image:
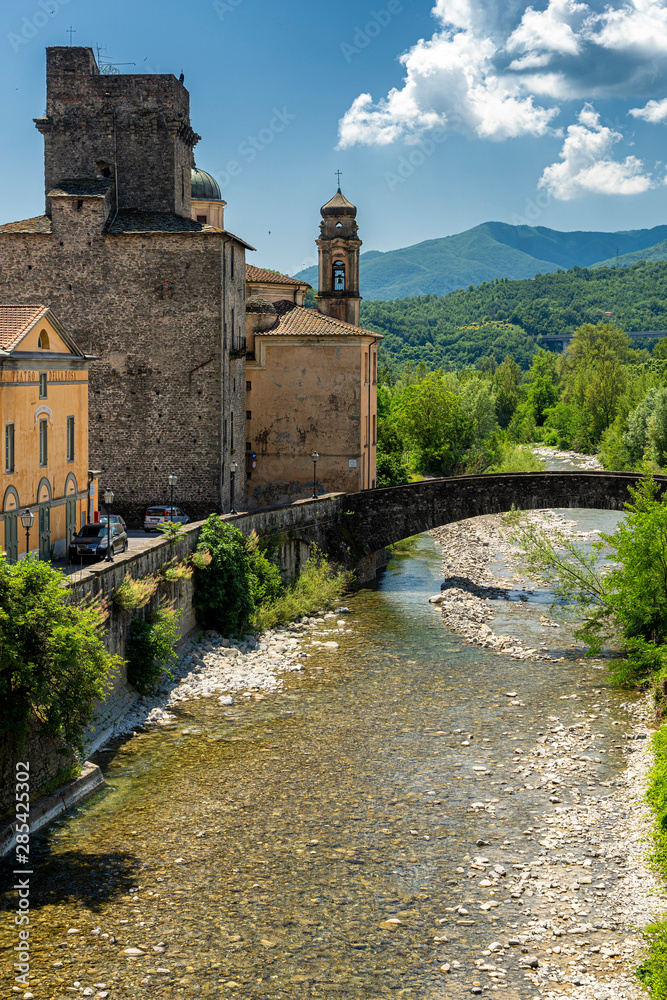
{"x":542,"y":385}
{"x":223,"y":589}
{"x":646,"y":436}
{"x":507,"y":380}
{"x":53,"y":663}
{"x":627,"y":604}
{"x":433,"y":423}
{"x":594,"y":379}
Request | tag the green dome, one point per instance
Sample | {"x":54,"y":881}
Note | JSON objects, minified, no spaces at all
{"x":204,"y":187}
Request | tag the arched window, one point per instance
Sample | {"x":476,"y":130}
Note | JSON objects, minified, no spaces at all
{"x":43,"y":342}
{"x":339,"y":225}
{"x":339,"y":276}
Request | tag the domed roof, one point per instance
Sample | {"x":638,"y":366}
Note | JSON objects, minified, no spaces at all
{"x":204,"y":187}
{"x":338,"y":206}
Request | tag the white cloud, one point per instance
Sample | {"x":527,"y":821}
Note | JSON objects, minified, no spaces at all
{"x":551,"y":30}
{"x":639,"y":26}
{"x":451,"y":82}
{"x":493,"y":71}
{"x":654,"y":111}
{"x":587,"y":165}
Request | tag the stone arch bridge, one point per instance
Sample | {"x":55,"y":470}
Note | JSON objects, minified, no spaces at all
{"x":356,"y":528}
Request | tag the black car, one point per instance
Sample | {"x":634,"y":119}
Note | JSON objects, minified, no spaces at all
{"x":91,"y":541}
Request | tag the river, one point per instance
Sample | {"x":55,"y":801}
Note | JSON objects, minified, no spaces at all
{"x":318,"y":842}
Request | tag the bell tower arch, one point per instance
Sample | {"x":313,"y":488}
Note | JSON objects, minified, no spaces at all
{"x":339,"y":245}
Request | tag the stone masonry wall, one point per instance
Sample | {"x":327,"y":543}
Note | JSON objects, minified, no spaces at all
{"x":142,"y":120}
{"x":151,"y":307}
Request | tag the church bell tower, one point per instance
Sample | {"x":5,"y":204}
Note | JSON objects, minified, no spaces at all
{"x":339,"y":244}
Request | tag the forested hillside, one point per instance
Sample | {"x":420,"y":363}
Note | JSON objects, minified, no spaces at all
{"x":509,"y":317}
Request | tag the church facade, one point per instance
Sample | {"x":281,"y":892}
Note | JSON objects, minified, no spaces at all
{"x":156,"y":295}
{"x":311,"y":375}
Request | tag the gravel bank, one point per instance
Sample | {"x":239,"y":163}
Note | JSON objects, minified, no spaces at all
{"x":584,"y":886}
{"x":221,"y":668}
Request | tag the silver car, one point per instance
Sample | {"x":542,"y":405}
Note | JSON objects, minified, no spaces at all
{"x":161,"y":513}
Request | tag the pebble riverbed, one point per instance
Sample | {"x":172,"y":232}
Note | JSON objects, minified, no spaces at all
{"x":610,"y":888}
{"x":359,"y":806}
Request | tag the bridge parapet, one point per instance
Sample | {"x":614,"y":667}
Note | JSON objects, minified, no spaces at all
{"x":375,"y":519}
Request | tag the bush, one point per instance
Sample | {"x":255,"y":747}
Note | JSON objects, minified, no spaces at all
{"x":150,"y":649}
{"x":53,"y":664}
{"x":133,"y":594}
{"x":517,"y":458}
{"x":653,"y":970}
{"x":223,"y":593}
{"x":266,"y":583}
{"x":319,"y":585}
{"x":391,"y":470}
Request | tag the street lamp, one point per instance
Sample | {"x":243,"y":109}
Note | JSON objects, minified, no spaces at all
{"x":172,"y":482}
{"x":108,"y":500}
{"x":315,"y":457}
{"x":233,"y":468}
{"x":27,"y":520}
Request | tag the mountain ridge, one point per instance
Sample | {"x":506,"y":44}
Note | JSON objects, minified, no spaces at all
{"x":495,"y":250}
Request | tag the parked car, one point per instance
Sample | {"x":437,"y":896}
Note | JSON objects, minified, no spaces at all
{"x":91,"y":541}
{"x":115,"y":519}
{"x":161,"y":513}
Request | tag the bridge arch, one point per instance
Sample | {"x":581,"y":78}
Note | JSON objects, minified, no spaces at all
{"x":374,"y":519}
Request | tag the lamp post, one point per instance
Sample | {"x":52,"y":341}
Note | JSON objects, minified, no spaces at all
{"x":27,"y":520}
{"x":172,"y":482}
{"x":108,"y":500}
{"x":315,"y":457}
{"x":233,"y":468}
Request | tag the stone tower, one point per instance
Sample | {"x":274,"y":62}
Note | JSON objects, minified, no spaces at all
{"x":339,"y":244}
{"x":132,"y":129}
{"x":157,"y":297}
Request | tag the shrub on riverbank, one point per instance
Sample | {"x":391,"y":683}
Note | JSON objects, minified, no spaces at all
{"x":627,"y":604}
{"x":653,"y":970}
{"x":151,"y":648}
{"x":319,"y":585}
{"x":53,"y":663}
{"x":517,"y":458}
{"x":240,"y":586}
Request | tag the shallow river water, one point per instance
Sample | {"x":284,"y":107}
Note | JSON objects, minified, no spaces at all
{"x":258,"y":850}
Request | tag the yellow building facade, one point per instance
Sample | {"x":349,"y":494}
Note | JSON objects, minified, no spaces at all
{"x":311,"y":375}
{"x":44,"y":427}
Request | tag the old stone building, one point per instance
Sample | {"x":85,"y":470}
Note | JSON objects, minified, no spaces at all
{"x":311,"y":375}
{"x":158,"y":296}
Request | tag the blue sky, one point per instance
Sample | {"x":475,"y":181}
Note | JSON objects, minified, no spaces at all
{"x":441,"y":114}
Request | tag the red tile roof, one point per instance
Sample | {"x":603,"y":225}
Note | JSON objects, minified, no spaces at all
{"x":253,"y":273}
{"x":15,"y":320}
{"x":40,"y":224}
{"x":297,"y":321}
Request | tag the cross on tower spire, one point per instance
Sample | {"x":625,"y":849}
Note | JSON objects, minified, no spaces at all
{"x":338,"y":173}
{"x":70,"y":31}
